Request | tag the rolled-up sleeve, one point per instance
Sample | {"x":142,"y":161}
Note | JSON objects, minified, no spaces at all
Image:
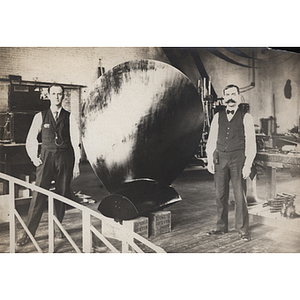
{"x":32,"y":144}
{"x":250,"y":140}
{"x":212,"y":138}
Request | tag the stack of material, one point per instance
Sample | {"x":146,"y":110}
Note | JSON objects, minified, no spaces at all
{"x":283,"y":203}
{"x":276,"y":204}
{"x":288,"y":209}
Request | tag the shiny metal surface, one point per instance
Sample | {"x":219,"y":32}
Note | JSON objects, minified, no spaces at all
{"x":142,"y":121}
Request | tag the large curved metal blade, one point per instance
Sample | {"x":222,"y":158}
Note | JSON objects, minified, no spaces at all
{"x":142,"y":120}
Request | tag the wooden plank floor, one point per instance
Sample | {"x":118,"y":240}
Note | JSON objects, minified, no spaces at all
{"x":191,"y":219}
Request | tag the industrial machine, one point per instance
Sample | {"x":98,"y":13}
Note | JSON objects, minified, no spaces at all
{"x":19,"y":102}
{"x":17,"y":109}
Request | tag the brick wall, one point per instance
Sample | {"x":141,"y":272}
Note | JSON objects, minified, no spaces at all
{"x":68,"y":64}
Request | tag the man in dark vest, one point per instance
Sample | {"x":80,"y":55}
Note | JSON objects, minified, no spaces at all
{"x":231,"y":149}
{"x":57,"y":161}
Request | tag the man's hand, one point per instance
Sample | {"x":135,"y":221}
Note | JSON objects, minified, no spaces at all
{"x":211,"y":167}
{"x":246,"y":171}
{"x":37,"y":161}
{"x":76,"y":170}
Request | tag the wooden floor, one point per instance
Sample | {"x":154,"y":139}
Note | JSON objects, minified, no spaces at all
{"x":191,"y":219}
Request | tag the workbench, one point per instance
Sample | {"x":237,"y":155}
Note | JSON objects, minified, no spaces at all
{"x":272,"y":162}
{"x":15,"y":161}
{"x":12,"y":157}
{"x":261,"y":213}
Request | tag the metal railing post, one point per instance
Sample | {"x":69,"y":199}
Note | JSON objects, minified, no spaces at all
{"x":50,"y":224}
{"x":12,"y":224}
{"x":86,"y":232}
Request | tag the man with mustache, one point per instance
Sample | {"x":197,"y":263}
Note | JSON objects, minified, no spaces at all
{"x":231,"y":149}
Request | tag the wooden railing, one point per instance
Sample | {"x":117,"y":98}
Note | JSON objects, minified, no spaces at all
{"x":126,"y":236}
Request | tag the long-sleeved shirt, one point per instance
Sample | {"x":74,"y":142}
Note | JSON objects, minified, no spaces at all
{"x":36,"y":127}
{"x":250,"y":140}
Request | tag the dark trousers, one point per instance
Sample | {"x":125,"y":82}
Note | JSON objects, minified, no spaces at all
{"x":229,"y":167}
{"x":56,"y":166}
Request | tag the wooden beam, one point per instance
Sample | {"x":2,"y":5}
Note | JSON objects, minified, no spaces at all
{"x":50,"y":224}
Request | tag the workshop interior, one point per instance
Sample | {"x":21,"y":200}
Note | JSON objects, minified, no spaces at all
{"x":144,"y":116}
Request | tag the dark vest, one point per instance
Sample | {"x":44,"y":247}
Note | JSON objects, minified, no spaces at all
{"x":56,"y":135}
{"x":231,"y":135}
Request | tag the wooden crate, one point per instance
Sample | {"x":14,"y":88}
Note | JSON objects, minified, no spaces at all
{"x":139,"y":225}
{"x":160,"y":222}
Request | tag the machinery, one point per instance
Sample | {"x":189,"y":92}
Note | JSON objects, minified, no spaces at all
{"x":141,"y":125}
{"x":19,"y":102}
{"x":18,"y":108}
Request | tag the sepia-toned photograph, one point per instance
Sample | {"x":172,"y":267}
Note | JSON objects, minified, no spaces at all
{"x":149,"y":150}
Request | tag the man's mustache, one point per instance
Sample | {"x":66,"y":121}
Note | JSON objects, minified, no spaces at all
{"x":230,"y":101}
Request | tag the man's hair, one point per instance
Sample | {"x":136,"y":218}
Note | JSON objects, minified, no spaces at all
{"x":56,"y":84}
{"x":231,"y":86}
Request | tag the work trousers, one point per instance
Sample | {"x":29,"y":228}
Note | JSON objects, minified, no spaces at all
{"x":56,"y":166}
{"x":229,"y":168}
